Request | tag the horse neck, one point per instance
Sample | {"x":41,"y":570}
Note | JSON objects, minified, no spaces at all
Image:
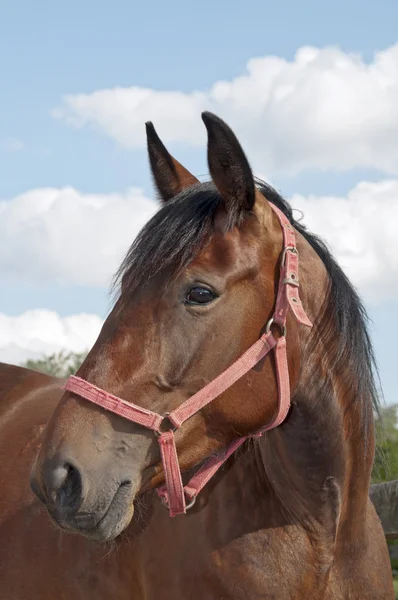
{"x":324,"y":451}
{"x":321,"y":458}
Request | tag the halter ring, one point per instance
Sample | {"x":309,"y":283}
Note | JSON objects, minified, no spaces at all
{"x":166,"y":419}
{"x":282,"y":328}
{"x":190,"y":504}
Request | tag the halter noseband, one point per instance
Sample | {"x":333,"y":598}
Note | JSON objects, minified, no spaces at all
{"x":174,"y":495}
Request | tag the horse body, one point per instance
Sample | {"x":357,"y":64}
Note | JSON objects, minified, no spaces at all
{"x":237,"y":543}
{"x":37,"y":560}
{"x":289,"y":515}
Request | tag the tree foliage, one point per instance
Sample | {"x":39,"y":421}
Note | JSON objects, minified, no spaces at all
{"x":385,"y":466}
{"x":60,"y":364}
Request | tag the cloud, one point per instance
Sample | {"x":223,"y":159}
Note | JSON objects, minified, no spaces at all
{"x":65,"y":236}
{"x":38,"y":332}
{"x":325,"y":109}
{"x":11,"y":145}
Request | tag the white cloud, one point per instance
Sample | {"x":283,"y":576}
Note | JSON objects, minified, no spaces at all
{"x":62,"y":235}
{"x":11,"y":144}
{"x":38,"y":332}
{"x":65,"y":236}
{"x":325,"y":109}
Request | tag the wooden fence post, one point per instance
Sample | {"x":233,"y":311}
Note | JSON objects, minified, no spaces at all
{"x":385,"y":500}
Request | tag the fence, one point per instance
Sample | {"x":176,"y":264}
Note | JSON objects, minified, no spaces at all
{"x":385,"y":499}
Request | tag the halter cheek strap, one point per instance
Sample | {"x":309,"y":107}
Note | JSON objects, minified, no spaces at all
{"x":177,"y":497}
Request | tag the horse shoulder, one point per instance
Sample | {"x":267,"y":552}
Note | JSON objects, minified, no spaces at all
{"x":27,"y":400}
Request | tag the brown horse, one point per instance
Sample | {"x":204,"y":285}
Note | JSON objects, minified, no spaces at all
{"x":289,"y":514}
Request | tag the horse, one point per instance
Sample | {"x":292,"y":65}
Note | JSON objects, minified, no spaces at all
{"x":218,"y":439}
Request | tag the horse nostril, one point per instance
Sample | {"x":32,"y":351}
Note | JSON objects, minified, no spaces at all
{"x":69,"y":491}
{"x":56,"y":478}
{"x":62,"y":484}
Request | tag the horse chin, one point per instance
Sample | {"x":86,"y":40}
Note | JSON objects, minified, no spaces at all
{"x":104,"y":528}
{"x":110,"y":526}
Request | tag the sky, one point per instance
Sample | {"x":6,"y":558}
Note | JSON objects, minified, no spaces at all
{"x":310,"y":88}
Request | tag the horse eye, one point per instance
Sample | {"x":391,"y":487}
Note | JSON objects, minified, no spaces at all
{"x":199,"y":295}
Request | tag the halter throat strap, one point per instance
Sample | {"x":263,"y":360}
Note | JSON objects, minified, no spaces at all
{"x":177,"y":497}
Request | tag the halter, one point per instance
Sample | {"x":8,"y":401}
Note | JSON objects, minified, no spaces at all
{"x":178,"y":498}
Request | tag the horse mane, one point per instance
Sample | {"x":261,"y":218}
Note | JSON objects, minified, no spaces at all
{"x":182,"y":228}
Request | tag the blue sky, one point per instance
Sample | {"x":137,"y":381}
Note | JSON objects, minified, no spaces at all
{"x":52,"y":50}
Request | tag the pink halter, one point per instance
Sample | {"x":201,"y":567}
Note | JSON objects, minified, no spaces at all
{"x":173,"y":494}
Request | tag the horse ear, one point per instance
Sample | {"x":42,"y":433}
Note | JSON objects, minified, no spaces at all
{"x":229,"y":167}
{"x":169,"y":175}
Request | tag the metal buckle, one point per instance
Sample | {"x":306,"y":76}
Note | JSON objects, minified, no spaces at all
{"x":165,"y":421}
{"x":291,"y":249}
{"x":291,"y":281}
{"x":281,"y":327}
{"x":190,"y":504}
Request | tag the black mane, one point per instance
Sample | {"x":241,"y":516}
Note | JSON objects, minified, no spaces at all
{"x":181,"y":229}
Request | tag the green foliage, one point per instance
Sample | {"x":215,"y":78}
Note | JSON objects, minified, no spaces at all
{"x":60,"y":364}
{"x":385,"y":466}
